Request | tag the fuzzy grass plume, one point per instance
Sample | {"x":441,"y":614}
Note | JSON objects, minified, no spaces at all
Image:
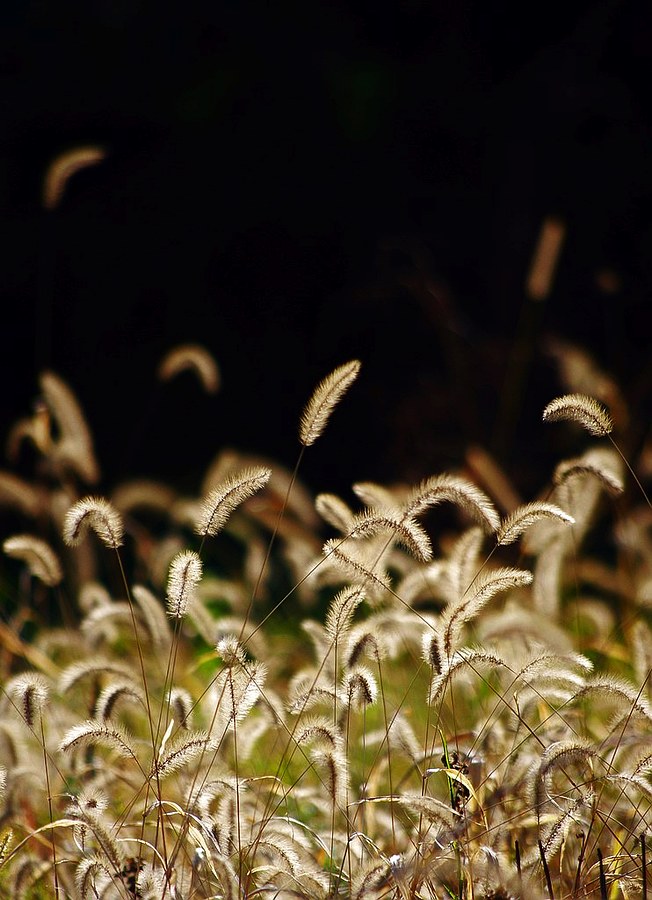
{"x":324,"y":399}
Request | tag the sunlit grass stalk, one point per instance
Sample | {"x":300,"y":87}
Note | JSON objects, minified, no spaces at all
{"x":150,"y":716}
{"x":603,"y":880}
{"x":643,"y":840}
{"x":546,"y":870}
{"x":388,"y":749}
{"x":457,"y":849}
{"x":46,"y":770}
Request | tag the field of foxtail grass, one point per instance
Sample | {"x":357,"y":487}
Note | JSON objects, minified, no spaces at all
{"x":252,"y":693}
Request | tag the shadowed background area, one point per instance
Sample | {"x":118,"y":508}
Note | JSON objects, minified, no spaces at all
{"x":294,"y":186}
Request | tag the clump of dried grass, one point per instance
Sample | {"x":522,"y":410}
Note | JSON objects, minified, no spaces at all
{"x":453,"y":725}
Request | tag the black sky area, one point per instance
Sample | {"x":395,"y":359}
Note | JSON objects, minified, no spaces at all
{"x":295,"y":185}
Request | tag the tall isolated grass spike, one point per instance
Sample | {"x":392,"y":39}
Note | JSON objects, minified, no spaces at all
{"x":324,"y":399}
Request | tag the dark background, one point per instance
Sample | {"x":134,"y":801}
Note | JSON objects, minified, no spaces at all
{"x":295,"y":185}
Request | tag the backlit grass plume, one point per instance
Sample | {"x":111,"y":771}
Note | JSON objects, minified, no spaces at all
{"x":526,"y":516}
{"x":98,"y":515}
{"x":324,"y":399}
{"x":218,"y":505}
{"x":451,"y":488}
{"x":579,"y":408}
{"x":185,"y":575}
{"x":42,"y":561}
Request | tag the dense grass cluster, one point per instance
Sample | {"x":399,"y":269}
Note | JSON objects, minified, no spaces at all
{"x":464,"y":711}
